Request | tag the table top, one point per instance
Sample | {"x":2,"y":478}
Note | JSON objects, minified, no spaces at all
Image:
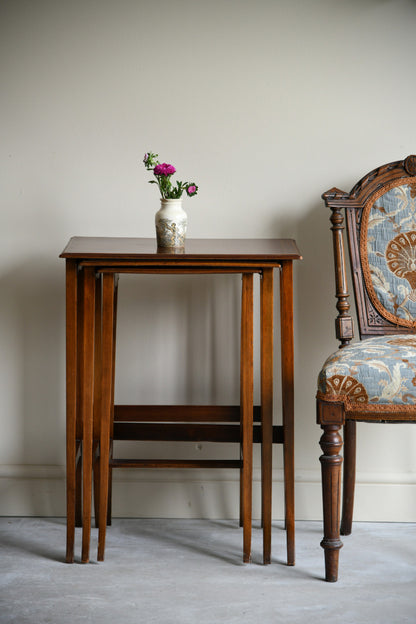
{"x":267,"y":250}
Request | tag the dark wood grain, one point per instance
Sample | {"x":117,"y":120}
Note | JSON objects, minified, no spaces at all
{"x":175,"y":463}
{"x":370,"y":321}
{"x":107,"y":401}
{"x":246,"y":402}
{"x":266,"y":250}
{"x":87,"y":406}
{"x":91,"y":407}
{"x":350,"y":434}
{"x":181,"y":413}
{"x":266,"y":390}
{"x":71,"y":404}
{"x":288,"y":398}
{"x":331,"y":461}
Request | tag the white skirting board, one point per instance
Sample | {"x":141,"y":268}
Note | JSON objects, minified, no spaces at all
{"x":40,"y":491}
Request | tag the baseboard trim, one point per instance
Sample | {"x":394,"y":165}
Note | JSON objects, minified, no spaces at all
{"x":28,"y":490}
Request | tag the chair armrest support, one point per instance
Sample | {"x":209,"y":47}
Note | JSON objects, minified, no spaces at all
{"x":344,"y":329}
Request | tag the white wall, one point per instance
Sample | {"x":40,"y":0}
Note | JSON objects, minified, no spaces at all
{"x":264,"y":103}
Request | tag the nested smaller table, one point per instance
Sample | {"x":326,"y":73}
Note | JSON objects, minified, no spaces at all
{"x":92,"y":269}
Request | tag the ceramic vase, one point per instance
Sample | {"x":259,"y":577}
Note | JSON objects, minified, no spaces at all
{"x":171,"y":222}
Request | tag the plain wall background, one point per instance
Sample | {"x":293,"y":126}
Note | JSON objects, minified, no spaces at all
{"x":265,"y":104}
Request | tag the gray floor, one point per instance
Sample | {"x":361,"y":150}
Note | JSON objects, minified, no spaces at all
{"x":190,"y":571}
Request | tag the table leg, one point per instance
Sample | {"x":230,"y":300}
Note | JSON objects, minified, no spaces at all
{"x":87,"y":404}
{"x":71,"y":404}
{"x":78,"y":496}
{"x":80,"y":316}
{"x":97,"y":396}
{"x":287,"y":346}
{"x":246,"y":406}
{"x":110,"y":470}
{"x":266,"y":367}
{"x":107,"y":378}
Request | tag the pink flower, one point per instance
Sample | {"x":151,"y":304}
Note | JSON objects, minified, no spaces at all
{"x":191,"y":189}
{"x":164,"y":169}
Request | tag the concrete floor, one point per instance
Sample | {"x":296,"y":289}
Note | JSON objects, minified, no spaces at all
{"x":190,"y":571}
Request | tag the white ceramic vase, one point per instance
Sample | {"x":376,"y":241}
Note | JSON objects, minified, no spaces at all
{"x":171,"y":222}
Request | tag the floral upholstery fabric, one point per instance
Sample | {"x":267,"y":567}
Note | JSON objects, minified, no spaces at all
{"x":376,"y":371}
{"x":389,"y":253}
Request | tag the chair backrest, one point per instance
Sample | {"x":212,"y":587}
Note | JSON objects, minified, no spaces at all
{"x":381,"y":222}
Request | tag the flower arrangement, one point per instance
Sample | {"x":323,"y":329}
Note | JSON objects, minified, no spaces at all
{"x":163,"y":173}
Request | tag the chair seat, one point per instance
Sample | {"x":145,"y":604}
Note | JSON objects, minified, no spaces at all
{"x":377,"y":371}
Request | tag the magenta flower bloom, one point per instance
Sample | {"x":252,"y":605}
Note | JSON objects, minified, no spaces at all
{"x":164,"y":169}
{"x":191,"y":189}
{"x":163,"y":173}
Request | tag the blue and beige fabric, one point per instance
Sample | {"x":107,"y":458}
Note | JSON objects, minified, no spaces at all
{"x":378,"y":371}
{"x":388,"y":253}
{"x":381,"y":371}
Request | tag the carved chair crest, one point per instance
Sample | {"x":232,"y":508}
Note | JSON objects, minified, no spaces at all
{"x":381,"y":222}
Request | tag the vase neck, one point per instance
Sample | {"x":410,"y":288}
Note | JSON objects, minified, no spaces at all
{"x":171,"y":202}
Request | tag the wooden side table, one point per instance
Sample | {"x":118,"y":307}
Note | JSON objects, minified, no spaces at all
{"x":92,"y":268}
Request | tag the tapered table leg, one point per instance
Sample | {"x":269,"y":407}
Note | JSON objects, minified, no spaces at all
{"x":266,"y":368}
{"x":287,"y":347}
{"x":246,"y":406}
{"x":80,"y":323}
{"x":71,"y":404}
{"x":78,"y":496}
{"x":97,"y":397}
{"x":87,"y":404}
{"x":107,"y":377}
{"x":110,"y":470}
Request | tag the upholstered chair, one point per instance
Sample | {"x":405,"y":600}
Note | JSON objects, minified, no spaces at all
{"x":372,"y":379}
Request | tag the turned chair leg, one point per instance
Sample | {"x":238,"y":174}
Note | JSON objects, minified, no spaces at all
{"x":349,"y":477}
{"x":331,"y":461}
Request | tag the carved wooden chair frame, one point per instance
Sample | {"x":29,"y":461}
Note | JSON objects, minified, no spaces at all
{"x":333,"y":414}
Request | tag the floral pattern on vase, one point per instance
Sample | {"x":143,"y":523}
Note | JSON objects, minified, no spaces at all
{"x":171,"y":224}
